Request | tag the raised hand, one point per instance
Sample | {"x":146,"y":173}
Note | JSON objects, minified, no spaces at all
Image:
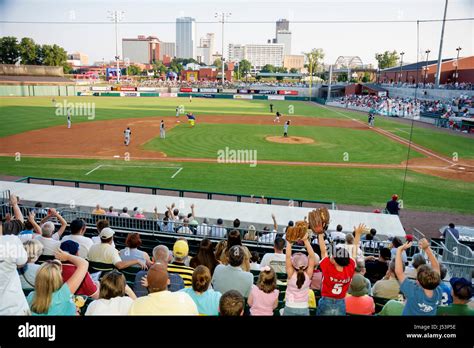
{"x":423,"y":244}
{"x":360,"y":229}
{"x":31,"y":216}
{"x":61,"y":255}
{"x":13,"y":200}
{"x":405,"y":246}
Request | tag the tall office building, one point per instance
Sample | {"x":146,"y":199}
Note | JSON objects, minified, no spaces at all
{"x":284,"y":37}
{"x":142,"y":49}
{"x":282,"y":24}
{"x":167,"y":49}
{"x":257,"y":54}
{"x":205,"y":49}
{"x":185,"y":37}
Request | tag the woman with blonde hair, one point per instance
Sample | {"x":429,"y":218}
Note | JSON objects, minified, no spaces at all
{"x":52,"y":296}
{"x":251,"y":234}
{"x":112,"y":297}
{"x":28,"y":272}
{"x":220,"y":250}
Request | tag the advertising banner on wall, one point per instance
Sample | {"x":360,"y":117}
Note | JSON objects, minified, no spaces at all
{"x":243,"y":91}
{"x":147,"y":89}
{"x":127,"y":88}
{"x":229,"y":90}
{"x":169,"y":95}
{"x":276,"y":97}
{"x":129,"y":94}
{"x":267,"y":92}
{"x":101,"y":88}
{"x":288,"y":92}
{"x":208,"y":90}
{"x":245,"y":96}
{"x":188,"y":89}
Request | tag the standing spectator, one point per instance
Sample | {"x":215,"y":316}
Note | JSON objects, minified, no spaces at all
{"x":52,"y":296}
{"x":31,"y":230}
{"x":231,"y":276}
{"x":161,"y":301}
{"x":206,"y":300}
{"x":98,"y":210}
{"x":388,"y":287}
{"x":350,"y":246}
{"x":299,"y":269}
{"x":263,"y":298}
{"x":451,"y":229}
{"x":412,"y":269}
{"x":15,"y":225}
{"x":393,"y":206}
{"x":462,"y":294}
{"x":376,"y":268}
{"x":111,"y":212}
{"x":276,"y":259}
{"x":358,"y":302}
{"x":396,"y":243}
{"x":338,"y":235}
{"x":267,"y":236}
{"x":446,"y":298}
{"x":28,"y":272}
{"x":371,"y":236}
{"x":180,"y":253}
{"x":337,"y":275}
{"x":115,"y":297}
{"x":78,"y":228}
{"x":13,"y":255}
{"x":423,"y":296}
{"x":231,"y":304}
{"x":205,"y":256}
{"x":131,"y":252}
{"x":124,"y":212}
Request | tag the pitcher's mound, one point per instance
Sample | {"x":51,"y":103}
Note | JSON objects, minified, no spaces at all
{"x":290,"y":140}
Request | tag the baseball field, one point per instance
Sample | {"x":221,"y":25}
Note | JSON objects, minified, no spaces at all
{"x":330,"y":154}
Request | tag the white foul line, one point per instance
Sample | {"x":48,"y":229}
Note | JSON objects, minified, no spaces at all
{"x":94,"y":169}
{"x":401,"y":130}
{"x":180,"y":169}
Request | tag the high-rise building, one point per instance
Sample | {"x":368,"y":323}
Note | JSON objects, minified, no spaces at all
{"x":257,"y":54}
{"x":205,"y":49}
{"x":282,"y":24}
{"x":284,"y":37}
{"x":77,"y":58}
{"x":167,"y":49}
{"x":142,"y":50}
{"x":185,"y":37}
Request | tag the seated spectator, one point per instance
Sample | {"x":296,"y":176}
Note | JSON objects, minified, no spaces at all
{"x":372,"y":235}
{"x":100,"y":225}
{"x":462,"y":294}
{"x":231,"y":276}
{"x":269,"y":236}
{"x":161,"y":254}
{"x":139,"y":214}
{"x":13,"y":255}
{"x":39,"y":209}
{"x":393,"y":206}
{"x":220,"y":250}
{"x":254,"y":261}
{"x":205,"y":256}
{"x":376,"y":268}
{"x":50,"y":243}
{"x":276,"y":259}
{"x":416,"y":261}
{"x":423,"y":295}
{"x":338,"y":235}
{"x":31,"y":230}
{"x":115,"y":297}
{"x":392,"y":308}
{"x":78,"y":228}
{"x":360,"y":269}
{"x":396,"y":243}
{"x":28,"y":272}
{"x":98,"y":210}
{"x":338,"y":271}
{"x":131,"y":252}
{"x":206,"y":299}
{"x":124,"y":212}
{"x":203,"y":229}
{"x":263,"y":298}
{"x":234,"y":239}
{"x":299,"y":269}
{"x":160,"y":301}
{"x":358,"y":302}
{"x":88,"y":287}
{"x":317,"y":278}
{"x":387,"y":287}
{"x":218,"y":230}
{"x":106,"y":253}
{"x":185,"y":228}
{"x":231,"y":304}
{"x":454,"y":231}
{"x":251,"y":234}
{"x":349,"y":245}
{"x":52,"y":296}
{"x":180,"y":253}
{"x":446,"y":298}
{"x":236,"y":226}
{"x":111,"y":212}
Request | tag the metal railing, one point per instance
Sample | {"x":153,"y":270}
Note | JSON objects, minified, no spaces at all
{"x":154,"y":190}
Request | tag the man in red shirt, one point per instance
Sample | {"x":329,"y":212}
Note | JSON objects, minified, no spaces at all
{"x":88,"y":287}
{"x":337,"y":270}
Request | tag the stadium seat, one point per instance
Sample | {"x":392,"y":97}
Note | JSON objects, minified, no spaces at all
{"x":44,"y":258}
{"x":27,"y":291}
{"x":281,"y":296}
{"x":379,"y":303}
{"x":255,"y":272}
{"x":95,"y":267}
{"x":130,"y":273}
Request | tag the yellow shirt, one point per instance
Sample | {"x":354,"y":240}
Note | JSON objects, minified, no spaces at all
{"x":105,"y":253}
{"x":164,"y":303}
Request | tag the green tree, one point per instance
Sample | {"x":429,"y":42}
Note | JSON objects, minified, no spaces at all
{"x":9,"y":50}
{"x":366,"y":78}
{"x":245,"y":67}
{"x":218,"y":63}
{"x":176,"y":66}
{"x":134,"y":70}
{"x":314,"y":60}
{"x":268,"y":68}
{"x":293,"y":71}
{"x":387,"y":59}
{"x":27,"y":48}
{"x":342,"y":77}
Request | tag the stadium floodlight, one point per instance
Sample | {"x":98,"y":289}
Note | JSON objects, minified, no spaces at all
{"x":457,"y":63}
{"x":401,"y":65}
{"x":426,"y":67}
{"x":116,"y":16}
{"x":222,"y":16}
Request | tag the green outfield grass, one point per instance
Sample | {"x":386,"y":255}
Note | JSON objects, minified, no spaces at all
{"x":343,"y":185}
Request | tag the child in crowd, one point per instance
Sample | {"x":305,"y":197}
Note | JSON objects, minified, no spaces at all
{"x":231,"y":304}
{"x":423,"y":296}
{"x":254,"y":261}
{"x":263,"y":298}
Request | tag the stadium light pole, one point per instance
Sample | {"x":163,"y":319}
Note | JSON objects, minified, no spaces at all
{"x":457,"y":62}
{"x":116,"y":16}
{"x":401,"y":65}
{"x":222,"y":16}
{"x":426,"y":67}
{"x":440,"y":53}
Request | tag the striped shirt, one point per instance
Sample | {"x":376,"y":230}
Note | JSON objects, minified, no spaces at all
{"x":183,"y":271}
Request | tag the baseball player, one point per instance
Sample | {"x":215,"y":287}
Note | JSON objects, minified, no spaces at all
{"x":190,"y":98}
{"x":127,"y":133}
{"x":277,"y":117}
{"x":191,"y":119}
{"x":285,"y":128}
{"x":162,"y":130}
{"x":69,"y":119}
{"x":271,"y":108}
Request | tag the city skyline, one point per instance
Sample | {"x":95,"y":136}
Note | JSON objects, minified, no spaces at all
{"x":336,"y":39}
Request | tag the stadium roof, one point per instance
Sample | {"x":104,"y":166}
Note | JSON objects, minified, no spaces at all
{"x":39,"y":79}
{"x":415,"y":66}
{"x":373,"y":86}
{"x":265,"y":74}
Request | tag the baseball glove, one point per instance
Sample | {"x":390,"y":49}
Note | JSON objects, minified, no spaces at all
{"x":318,"y":220}
{"x":297,"y":232}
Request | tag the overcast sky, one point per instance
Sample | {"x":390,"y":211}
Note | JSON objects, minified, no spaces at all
{"x":346,"y":39}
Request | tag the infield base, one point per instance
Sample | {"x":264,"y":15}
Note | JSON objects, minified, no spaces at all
{"x":289,"y":140}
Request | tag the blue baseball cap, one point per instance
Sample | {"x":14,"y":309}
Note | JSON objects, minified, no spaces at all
{"x":70,"y":246}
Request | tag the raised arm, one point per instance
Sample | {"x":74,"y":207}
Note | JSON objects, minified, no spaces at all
{"x":62,"y":221}
{"x":156,"y":215}
{"x":399,"y":262}
{"x":193,"y":212}
{"x":31,"y":219}
{"x":322,"y":245}
{"x":358,"y":232}
{"x":81,"y":269}
{"x":289,"y":266}
{"x":311,"y":258}
{"x":16,"y":209}
{"x":275,"y":225}
{"x":425,"y":246}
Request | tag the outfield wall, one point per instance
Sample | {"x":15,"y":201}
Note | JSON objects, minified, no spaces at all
{"x":39,"y":91}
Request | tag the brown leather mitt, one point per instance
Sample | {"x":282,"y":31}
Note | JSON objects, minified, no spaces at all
{"x":318,"y":220}
{"x":297,"y":232}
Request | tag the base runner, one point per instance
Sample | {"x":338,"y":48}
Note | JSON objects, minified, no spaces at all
{"x":277,"y":117}
{"x":69,"y":119}
{"x":127,"y":134}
